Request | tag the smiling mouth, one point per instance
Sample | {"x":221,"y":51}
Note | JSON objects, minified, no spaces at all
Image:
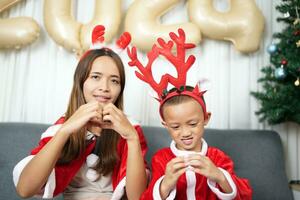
{"x":188,"y":141}
{"x":102,"y":99}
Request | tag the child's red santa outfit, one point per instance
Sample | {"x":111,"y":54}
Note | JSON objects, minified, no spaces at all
{"x":190,"y":185}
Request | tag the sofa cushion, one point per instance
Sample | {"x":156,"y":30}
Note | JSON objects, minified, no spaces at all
{"x":17,"y":140}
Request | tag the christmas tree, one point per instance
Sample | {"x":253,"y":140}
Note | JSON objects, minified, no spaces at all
{"x":280,"y":97}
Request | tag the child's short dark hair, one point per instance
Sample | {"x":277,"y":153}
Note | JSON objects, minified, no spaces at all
{"x":179,"y":98}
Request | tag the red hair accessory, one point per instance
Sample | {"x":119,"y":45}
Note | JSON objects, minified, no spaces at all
{"x":98,"y":41}
{"x":178,"y":60}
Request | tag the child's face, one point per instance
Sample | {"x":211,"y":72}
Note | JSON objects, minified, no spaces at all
{"x":103,"y":83}
{"x":185,"y":123}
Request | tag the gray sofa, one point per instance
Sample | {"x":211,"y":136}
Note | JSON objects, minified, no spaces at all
{"x":258,"y":155}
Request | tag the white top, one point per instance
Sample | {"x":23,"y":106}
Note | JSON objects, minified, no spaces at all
{"x":82,"y":188}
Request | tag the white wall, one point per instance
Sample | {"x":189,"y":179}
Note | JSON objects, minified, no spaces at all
{"x":35,"y":81}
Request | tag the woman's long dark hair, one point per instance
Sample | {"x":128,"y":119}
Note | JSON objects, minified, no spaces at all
{"x":108,"y":140}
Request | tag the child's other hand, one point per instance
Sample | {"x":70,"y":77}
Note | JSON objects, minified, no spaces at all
{"x":114,"y":118}
{"x":175,"y":168}
{"x":90,"y":112}
{"x":204,"y":166}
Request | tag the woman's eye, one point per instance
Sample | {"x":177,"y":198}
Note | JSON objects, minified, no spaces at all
{"x":95,"y":77}
{"x":115,"y":81}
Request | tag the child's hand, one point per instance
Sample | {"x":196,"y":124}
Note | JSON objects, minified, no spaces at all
{"x":175,"y":168}
{"x":204,"y":166}
{"x":114,"y":118}
{"x":90,"y":112}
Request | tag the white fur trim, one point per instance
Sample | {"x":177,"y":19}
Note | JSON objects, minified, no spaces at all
{"x":190,"y":175}
{"x":221,"y":195}
{"x":19,"y":168}
{"x":178,"y":152}
{"x":120,"y":190}
{"x":49,"y":188}
{"x":51,"y":131}
{"x":156,"y":193}
{"x":191,"y":184}
{"x":92,"y":160}
{"x":92,"y":174}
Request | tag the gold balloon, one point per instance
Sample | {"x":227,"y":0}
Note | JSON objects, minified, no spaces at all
{"x":16,"y":32}
{"x":73,"y":35}
{"x":142,"y":21}
{"x":61,"y":25}
{"x":243,"y":24}
{"x":5,"y":4}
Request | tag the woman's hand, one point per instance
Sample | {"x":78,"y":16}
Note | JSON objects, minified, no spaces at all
{"x":175,"y":168}
{"x":87,"y":113}
{"x":114,"y":118}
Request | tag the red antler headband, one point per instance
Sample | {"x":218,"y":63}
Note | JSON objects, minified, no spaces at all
{"x":180,"y":63}
{"x":98,"y":41}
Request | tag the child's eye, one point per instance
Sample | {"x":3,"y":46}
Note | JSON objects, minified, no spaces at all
{"x":174,"y":127}
{"x":193,"y":124}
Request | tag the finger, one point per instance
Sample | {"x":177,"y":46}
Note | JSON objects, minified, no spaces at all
{"x":178,"y":166}
{"x":196,"y":164}
{"x":111,"y":108}
{"x":108,"y":119}
{"x":180,"y":172}
{"x":178,"y":160}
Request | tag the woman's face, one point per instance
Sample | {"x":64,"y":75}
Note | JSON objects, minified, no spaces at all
{"x":103,"y":83}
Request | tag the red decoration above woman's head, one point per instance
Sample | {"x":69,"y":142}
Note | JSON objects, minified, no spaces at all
{"x":178,"y":60}
{"x":98,"y":41}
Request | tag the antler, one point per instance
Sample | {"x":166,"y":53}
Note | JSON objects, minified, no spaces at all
{"x":123,"y":40}
{"x":98,"y":34}
{"x":165,"y":49}
{"x":178,"y":60}
{"x":145,"y":73}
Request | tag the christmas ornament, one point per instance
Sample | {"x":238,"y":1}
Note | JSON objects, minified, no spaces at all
{"x":272,"y":48}
{"x":286,"y":15}
{"x":283,"y":62}
{"x":280,"y":73}
{"x":297,"y":82}
{"x":298,"y":44}
{"x":296,"y":33}
{"x":297,"y":20}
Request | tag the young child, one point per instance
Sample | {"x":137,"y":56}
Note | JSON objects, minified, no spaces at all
{"x":94,"y":151}
{"x":189,"y":168}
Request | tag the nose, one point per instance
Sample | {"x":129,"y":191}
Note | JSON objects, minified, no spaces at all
{"x":186,"y":132}
{"x":103,"y":85}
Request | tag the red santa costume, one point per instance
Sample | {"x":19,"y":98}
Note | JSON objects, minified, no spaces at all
{"x":195,"y":186}
{"x":77,"y":179}
{"x":62,"y":175}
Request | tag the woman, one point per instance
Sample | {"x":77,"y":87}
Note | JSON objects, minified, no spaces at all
{"x":94,"y":126}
